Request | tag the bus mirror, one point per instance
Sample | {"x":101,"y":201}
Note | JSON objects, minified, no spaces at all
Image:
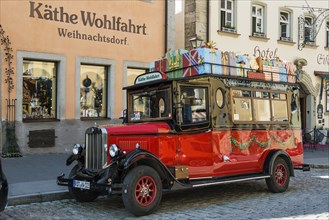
{"x":124,"y":116}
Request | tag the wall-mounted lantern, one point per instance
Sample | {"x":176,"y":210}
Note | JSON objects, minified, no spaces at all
{"x":196,"y":42}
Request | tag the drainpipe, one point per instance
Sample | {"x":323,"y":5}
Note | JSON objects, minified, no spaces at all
{"x":166,"y":27}
{"x":208,"y":19}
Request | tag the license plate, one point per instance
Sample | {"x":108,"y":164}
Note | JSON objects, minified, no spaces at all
{"x":81,"y":184}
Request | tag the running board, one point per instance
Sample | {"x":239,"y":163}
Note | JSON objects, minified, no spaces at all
{"x":200,"y":183}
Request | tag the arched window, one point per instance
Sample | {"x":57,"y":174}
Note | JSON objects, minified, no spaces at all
{"x":285,"y":26}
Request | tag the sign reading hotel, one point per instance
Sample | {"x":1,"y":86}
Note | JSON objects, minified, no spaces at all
{"x":114,"y":23}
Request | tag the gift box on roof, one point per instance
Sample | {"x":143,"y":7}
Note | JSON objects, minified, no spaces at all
{"x":226,"y":70}
{"x":241,"y":62}
{"x":283,"y":72}
{"x":201,"y":61}
{"x":268,"y":72}
{"x":291,"y":71}
{"x":232,"y":63}
{"x":275,"y":73}
{"x":160,"y":65}
{"x":259,"y":61}
{"x":175,"y":63}
{"x":229,"y":63}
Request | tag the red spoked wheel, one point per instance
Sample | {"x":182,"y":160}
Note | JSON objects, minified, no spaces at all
{"x":280,"y":174}
{"x":142,"y":190}
{"x":279,"y":180}
{"x":145,"y":191}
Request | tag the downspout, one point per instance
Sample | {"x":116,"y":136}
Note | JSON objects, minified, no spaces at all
{"x":166,"y":27}
{"x":208,"y":19}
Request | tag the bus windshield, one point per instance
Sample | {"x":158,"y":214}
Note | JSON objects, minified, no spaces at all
{"x":149,"y":105}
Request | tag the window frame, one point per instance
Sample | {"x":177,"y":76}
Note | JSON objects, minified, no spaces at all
{"x":197,"y":125}
{"x":60,"y":83}
{"x":103,"y":92}
{"x":254,"y":31}
{"x":309,"y":26}
{"x":223,"y":20}
{"x":111,"y":91}
{"x":56,"y":89}
{"x":288,"y":23}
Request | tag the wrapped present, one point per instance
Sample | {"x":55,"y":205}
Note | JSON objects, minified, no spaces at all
{"x":268,"y":72}
{"x":202,"y":60}
{"x":283,"y":73}
{"x":254,"y":64}
{"x":241,"y":62}
{"x":175,"y":63}
{"x":291,"y":72}
{"x":225,"y":56}
{"x":256,"y":75}
{"x":232,"y":63}
{"x":160,"y":65}
{"x":275,"y":73}
{"x":259,"y":61}
{"x":190,"y":63}
{"x":152,"y":66}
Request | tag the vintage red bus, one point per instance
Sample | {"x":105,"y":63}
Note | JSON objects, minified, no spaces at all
{"x":189,"y":132}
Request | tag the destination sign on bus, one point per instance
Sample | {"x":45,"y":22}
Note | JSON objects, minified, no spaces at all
{"x":148,"y":77}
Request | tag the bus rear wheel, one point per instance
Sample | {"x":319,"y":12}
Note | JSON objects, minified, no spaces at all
{"x":142,"y":190}
{"x":279,"y":180}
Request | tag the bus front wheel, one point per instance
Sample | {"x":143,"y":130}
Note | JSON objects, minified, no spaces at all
{"x":142,"y":190}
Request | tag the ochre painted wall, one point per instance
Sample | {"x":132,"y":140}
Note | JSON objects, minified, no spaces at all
{"x":32,"y":27}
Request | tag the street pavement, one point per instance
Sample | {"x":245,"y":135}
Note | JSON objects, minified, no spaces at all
{"x":32,"y":178}
{"x":307,"y":198}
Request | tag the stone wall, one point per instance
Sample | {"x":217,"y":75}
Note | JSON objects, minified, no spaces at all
{"x":195,"y":20}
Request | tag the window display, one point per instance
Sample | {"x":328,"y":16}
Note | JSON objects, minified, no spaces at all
{"x":92,"y":91}
{"x":39,"y":89}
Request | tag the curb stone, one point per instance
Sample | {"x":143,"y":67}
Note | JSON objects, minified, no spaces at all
{"x":38,"y":198}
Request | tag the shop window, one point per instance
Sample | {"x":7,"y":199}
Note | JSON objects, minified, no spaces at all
{"x":327,"y":95}
{"x":132,"y":73}
{"x":39,"y":90}
{"x":258,"y":21}
{"x":308,"y":30}
{"x":227,"y":12}
{"x":93,"y":87}
{"x":194,"y":105}
{"x":285,"y":26}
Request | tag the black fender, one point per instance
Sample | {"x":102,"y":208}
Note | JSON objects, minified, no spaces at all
{"x":79,"y":158}
{"x":143,"y":157}
{"x":270,"y":158}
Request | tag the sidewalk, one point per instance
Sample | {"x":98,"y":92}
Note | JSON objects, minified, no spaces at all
{"x":32,"y":178}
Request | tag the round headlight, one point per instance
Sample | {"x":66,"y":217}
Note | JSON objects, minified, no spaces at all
{"x":114,"y":150}
{"x":77,"y":149}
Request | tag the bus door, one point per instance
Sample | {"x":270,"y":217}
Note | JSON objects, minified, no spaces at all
{"x":194,"y":147}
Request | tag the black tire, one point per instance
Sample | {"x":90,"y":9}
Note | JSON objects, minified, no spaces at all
{"x":279,"y":180}
{"x":142,"y":190}
{"x":80,"y":195}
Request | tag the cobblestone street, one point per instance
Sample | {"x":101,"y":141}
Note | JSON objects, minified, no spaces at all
{"x":306,"y":198}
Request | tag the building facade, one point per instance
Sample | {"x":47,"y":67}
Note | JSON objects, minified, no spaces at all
{"x":294,"y":31}
{"x":68,"y":62}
